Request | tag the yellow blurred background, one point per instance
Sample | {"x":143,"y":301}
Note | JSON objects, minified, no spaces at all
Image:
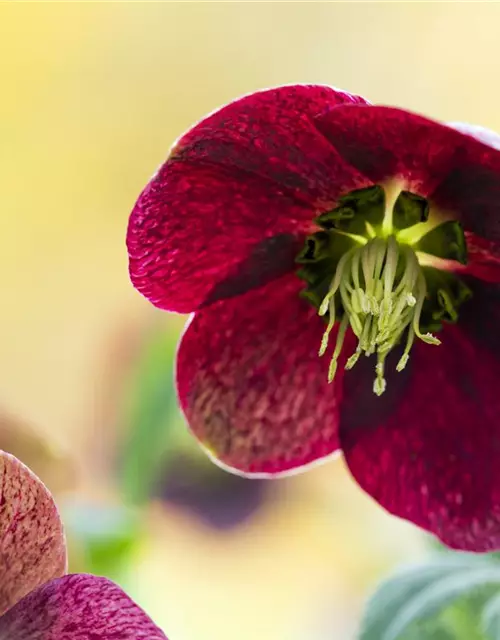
{"x":92,"y":96}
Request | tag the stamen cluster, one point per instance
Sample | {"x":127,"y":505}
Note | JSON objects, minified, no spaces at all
{"x":382,"y":291}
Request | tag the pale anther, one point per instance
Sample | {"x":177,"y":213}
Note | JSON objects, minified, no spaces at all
{"x":381,"y":289}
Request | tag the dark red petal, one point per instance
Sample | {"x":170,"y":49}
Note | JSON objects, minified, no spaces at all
{"x":459,"y":174}
{"x":477,"y":131}
{"x":78,"y":607}
{"x":428,"y":449}
{"x":255,"y":169}
{"x":483,"y":259}
{"x":385,"y":142}
{"x":251,"y":383}
{"x":271,"y":134}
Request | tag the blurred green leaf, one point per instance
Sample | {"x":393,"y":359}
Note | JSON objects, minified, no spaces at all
{"x":432,"y":599}
{"x":415,"y":595}
{"x":462,"y":618}
{"x":490,"y":618}
{"x":108,"y":536}
{"x":150,"y":415}
{"x":433,"y":629}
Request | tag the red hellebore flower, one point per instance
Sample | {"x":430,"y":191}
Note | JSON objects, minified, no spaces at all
{"x":39,"y":602}
{"x":307,"y":229}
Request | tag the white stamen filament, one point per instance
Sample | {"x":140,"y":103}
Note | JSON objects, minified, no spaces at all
{"x":380,"y":303}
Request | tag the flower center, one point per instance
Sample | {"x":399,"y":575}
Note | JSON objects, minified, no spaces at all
{"x":368,"y":269}
{"x":382,"y":291}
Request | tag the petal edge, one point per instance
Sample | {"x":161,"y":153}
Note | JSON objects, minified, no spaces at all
{"x":78,"y":607}
{"x":33,"y":548}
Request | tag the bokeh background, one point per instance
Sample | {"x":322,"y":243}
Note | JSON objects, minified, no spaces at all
{"x":91,"y":97}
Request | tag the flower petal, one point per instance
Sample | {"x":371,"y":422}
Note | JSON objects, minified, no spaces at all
{"x":252,"y":386}
{"x":271,"y":134}
{"x":483,"y":259}
{"x":484,"y":255}
{"x":255,"y":169}
{"x":427,"y":450}
{"x":477,"y":131}
{"x":32,"y":548}
{"x":459,"y":174}
{"x":78,"y":607}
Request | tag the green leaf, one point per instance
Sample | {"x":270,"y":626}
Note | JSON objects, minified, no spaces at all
{"x":490,"y":618}
{"x":107,"y":535}
{"x":150,"y":415}
{"x":404,"y":598}
{"x":462,"y":618}
{"x":434,"y":598}
{"x":430,"y":630}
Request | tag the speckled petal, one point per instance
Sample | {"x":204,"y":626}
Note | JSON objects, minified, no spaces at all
{"x":458,"y":173}
{"x":252,"y":171}
{"x":32,"y":547}
{"x":427,"y":450}
{"x":78,"y":607}
{"x":252,"y":386}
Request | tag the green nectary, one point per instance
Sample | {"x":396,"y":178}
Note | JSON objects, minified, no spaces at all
{"x":368,"y":268}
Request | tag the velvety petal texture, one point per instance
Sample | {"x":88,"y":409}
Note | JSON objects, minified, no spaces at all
{"x":458,"y":173}
{"x":256,"y":169}
{"x":78,"y":607}
{"x":252,"y":386}
{"x":483,"y":254}
{"x":216,"y":232}
{"x":483,"y":261}
{"x":428,"y":449}
{"x":480,"y":133}
{"x":32,"y":543}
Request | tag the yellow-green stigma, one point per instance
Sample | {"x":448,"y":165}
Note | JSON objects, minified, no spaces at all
{"x":382,"y":291}
{"x":362,"y":271}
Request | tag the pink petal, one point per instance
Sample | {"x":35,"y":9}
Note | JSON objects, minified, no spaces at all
{"x":32,"y":547}
{"x":251,"y":383}
{"x":427,"y":450}
{"x":255,"y":169}
{"x":78,"y":607}
{"x":459,"y":174}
